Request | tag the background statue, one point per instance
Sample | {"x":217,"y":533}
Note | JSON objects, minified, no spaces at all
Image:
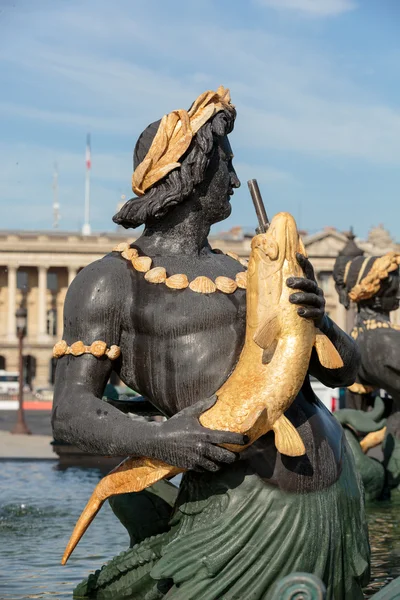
{"x":238,"y":525}
{"x":373,"y":284}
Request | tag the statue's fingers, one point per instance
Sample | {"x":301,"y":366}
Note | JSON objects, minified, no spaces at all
{"x":204,"y":464}
{"x":306,"y":266}
{"x":226,"y":437}
{"x":303,"y":284}
{"x":306,"y":299}
{"x":222,"y":455}
{"x":310,"y":313}
{"x":198,"y":408}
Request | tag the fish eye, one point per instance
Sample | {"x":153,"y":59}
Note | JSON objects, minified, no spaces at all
{"x":271,"y":249}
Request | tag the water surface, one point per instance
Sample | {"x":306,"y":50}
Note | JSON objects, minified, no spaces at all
{"x":39,"y":505}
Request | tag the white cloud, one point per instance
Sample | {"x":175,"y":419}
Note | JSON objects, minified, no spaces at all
{"x":113,"y":69}
{"x":299,"y":101}
{"x":312,"y":8}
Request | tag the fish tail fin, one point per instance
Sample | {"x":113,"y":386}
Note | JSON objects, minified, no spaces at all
{"x":87,"y":516}
{"x":133,"y":474}
{"x":328,"y":356}
{"x":287,"y":438}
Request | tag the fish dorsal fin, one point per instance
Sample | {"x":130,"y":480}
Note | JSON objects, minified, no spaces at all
{"x":328,"y":356}
{"x":287,"y":439}
{"x":267,"y":334}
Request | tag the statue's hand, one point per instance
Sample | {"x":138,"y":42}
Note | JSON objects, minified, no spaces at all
{"x":310,"y":297}
{"x":183,"y":442}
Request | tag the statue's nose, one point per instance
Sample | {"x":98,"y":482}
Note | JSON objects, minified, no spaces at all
{"x":235,"y":182}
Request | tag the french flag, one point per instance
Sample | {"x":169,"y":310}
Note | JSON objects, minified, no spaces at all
{"x":88,"y":157}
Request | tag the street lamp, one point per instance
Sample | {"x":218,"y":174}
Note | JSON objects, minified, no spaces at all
{"x":21,"y":318}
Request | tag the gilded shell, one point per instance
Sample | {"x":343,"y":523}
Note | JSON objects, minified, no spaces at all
{"x":226,"y":285}
{"x":202,"y":285}
{"x":241,"y":280}
{"x":98,"y":348}
{"x":77,"y":348}
{"x":60,"y":349}
{"x":142,"y":263}
{"x":156,"y":275}
{"x":130,"y":253}
{"x":121,"y":247}
{"x":233,"y":255}
{"x":114,"y":352}
{"x":244,"y":262}
{"x":177,"y":282}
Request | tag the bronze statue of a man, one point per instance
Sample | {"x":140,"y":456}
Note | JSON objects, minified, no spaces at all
{"x":239,"y":524}
{"x":373,"y":284}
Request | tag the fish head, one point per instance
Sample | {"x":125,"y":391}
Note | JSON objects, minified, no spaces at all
{"x":273,"y":258}
{"x":280,"y":243}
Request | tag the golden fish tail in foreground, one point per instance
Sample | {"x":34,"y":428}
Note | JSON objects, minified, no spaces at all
{"x":131,"y":475}
{"x":267,"y":378}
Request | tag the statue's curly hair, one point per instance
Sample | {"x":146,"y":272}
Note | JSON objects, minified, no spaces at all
{"x":179,"y":183}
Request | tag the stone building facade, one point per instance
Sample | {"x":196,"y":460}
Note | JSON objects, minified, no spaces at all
{"x":36,"y":269}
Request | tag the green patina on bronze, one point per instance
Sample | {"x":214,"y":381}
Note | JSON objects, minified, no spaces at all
{"x":232,"y":532}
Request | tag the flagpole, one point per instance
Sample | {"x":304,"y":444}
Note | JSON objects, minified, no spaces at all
{"x":56,"y":205}
{"x":86,"y":229}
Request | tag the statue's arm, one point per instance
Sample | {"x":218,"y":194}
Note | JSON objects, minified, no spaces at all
{"x":92,"y":312}
{"x":348,"y":351}
{"x":385,"y":373}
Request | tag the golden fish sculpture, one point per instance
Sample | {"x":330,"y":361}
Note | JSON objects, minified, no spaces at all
{"x":372,"y":439}
{"x":267,"y":378}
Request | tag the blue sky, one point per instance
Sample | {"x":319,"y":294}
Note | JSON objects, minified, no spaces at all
{"x":315,"y":82}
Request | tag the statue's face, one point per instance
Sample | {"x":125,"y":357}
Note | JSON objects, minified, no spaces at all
{"x":391,"y":296}
{"x":218,"y":187}
{"x":388,"y":297}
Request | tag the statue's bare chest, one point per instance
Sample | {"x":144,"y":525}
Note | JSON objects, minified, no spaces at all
{"x":179,"y":346}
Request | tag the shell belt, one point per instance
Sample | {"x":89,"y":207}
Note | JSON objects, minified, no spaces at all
{"x":201,"y":285}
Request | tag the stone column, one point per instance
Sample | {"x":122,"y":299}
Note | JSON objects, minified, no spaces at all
{"x":71,"y":274}
{"x":42,"y":304}
{"x":12,"y":305}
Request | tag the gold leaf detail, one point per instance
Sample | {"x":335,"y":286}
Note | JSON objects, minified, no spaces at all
{"x":359,"y":388}
{"x":98,"y":348}
{"x":142,"y":263}
{"x":177,"y":282}
{"x":156,"y":275}
{"x":130,"y":253}
{"x":371,"y":283}
{"x":244,"y":262}
{"x":226,"y":285}
{"x":60,"y":349}
{"x":121,"y":247}
{"x":241,"y":280}
{"x":77,"y":348}
{"x":202,"y":285}
{"x":114,"y":352}
{"x":173,"y":138}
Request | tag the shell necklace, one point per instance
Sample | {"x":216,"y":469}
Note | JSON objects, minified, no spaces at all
{"x":201,"y":284}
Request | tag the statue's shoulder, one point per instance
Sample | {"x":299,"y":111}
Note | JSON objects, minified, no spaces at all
{"x":100,"y":286}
